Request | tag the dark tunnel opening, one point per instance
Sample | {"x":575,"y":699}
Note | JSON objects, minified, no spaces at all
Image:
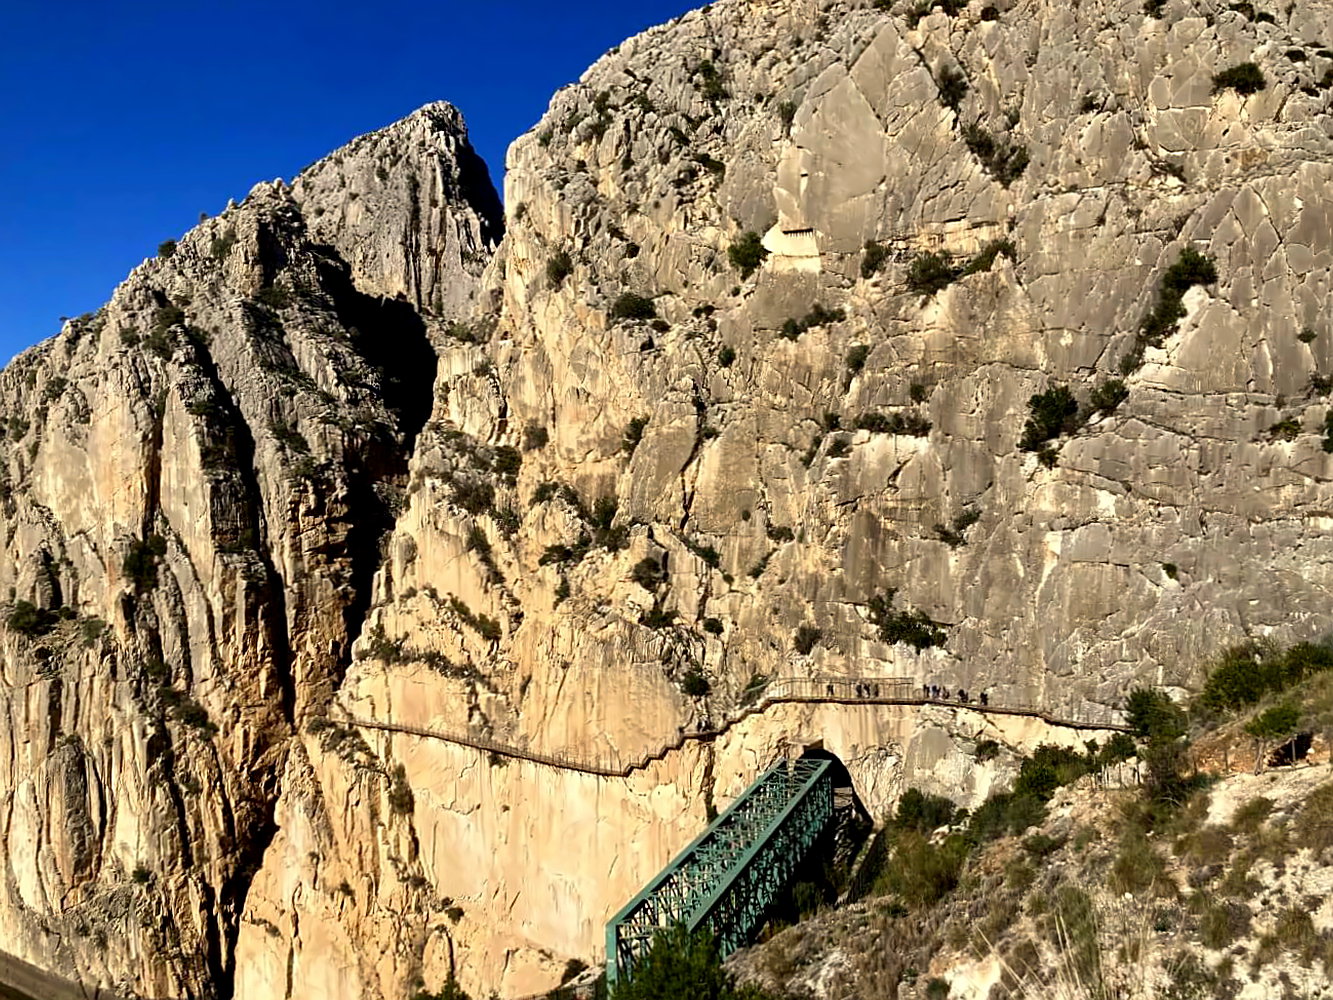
{"x":828,"y":872}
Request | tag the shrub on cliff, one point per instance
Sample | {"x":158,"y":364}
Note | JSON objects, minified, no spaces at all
{"x":930,"y":273}
{"x":140,"y":563}
{"x":449,"y":991}
{"x":747,"y":254}
{"x":1054,"y":412}
{"x":807,"y":638}
{"x":911,"y":627}
{"x":27,"y":619}
{"x":630,"y":306}
{"x":1244,"y":78}
{"x":633,"y":434}
{"x":681,"y":965}
{"x":558,"y":268}
{"x":875,"y":257}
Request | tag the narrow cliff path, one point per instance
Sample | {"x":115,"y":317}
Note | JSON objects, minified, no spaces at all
{"x":783,"y":691}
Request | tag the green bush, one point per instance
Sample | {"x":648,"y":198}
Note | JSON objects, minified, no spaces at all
{"x":954,"y":535}
{"x":273,"y":297}
{"x":558,"y":268}
{"x":910,"y":424}
{"x":987,"y":750}
{"x":1285,"y":430}
{"x":747,"y":253}
{"x":1154,"y":716}
{"x":648,"y":573}
{"x":401,"y":800}
{"x":953,"y":87}
{"x":1054,"y":412}
{"x":1275,"y":723}
{"x":695,"y":684}
{"x":166,"y":249}
{"x":874,"y":258}
{"x":930,"y":273}
{"x":535,"y":437}
{"x":986,"y":256}
{"x":713,"y":626}
{"x":682,"y":965}
{"x":1191,"y":268}
{"x":474,"y":497}
{"x":28,"y":619}
{"x":807,"y":638}
{"x":1245,"y":674}
{"x":817,"y":316}
{"x":658,"y":618}
{"x":710,"y":81}
{"x":189,"y":712}
{"x":925,"y":813}
{"x":507,"y":462}
{"x":911,"y":627}
{"x":1002,"y":158}
{"x":221,"y":246}
{"x":922,"y":873}
{"x":1244,"y":78}
{"x":633,"y":307}
{"x":1106,"y":397}
{"x":633,"y":434}
{"x":140,"y":563}
{"x":449,"y":991}
{"x":856,"y":358}
{"x":726,"y":356}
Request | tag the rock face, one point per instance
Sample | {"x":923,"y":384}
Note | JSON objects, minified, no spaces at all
{"x":318,"y":464}
{"x":196,"y":481}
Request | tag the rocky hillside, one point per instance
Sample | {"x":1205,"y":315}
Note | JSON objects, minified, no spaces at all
{"x":979,"y":345}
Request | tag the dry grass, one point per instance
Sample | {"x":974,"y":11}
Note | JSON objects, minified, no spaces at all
{"x":1140,"y":868}
{"x":1313,"y":827}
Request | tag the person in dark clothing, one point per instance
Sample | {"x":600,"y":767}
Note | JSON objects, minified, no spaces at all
{"x":960,"y":694}
{"x":830,"y":690}
{"x":925,"y":690}
{"x":985,"y":699}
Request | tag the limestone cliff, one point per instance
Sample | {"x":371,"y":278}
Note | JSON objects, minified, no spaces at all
{"x":318,"y":465}
{"x":197,"y":478}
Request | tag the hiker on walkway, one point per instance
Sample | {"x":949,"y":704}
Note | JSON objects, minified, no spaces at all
{"x":985,"y":699}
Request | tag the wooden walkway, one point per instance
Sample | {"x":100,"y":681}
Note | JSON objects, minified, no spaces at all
{"x":784,"y":691}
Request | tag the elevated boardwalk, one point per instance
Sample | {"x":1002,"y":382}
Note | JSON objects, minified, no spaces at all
{"x":782,"y":691}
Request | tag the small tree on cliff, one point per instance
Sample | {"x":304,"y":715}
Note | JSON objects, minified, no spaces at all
{"x":681,"y":965}
{"x":1276,"y":723}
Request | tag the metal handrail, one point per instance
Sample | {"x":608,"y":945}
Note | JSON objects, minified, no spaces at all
{"x":788,"y":690}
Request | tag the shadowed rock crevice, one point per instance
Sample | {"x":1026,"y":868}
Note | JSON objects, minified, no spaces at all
{"x":391,"y":335}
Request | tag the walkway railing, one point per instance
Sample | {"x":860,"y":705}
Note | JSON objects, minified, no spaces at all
{"x":728,"y":877}
{"x":788,"y":690}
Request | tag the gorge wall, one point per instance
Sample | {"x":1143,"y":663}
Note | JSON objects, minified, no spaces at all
{"x":346,"y":451}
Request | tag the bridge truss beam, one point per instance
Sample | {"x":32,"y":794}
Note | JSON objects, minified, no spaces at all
{"x":729,"y":876}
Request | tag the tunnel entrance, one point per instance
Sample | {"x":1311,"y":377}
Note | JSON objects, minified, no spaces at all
{"x":825,"y":874}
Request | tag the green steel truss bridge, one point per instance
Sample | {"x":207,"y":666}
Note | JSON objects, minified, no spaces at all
{"x":729,"y":876}
{"x":726,"y":880}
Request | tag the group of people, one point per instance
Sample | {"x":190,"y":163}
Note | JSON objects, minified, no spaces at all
{"x":862,"y":690}
{"x":934,"y":692}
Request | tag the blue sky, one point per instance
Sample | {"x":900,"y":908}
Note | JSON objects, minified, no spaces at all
{"x":122,"y":121}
